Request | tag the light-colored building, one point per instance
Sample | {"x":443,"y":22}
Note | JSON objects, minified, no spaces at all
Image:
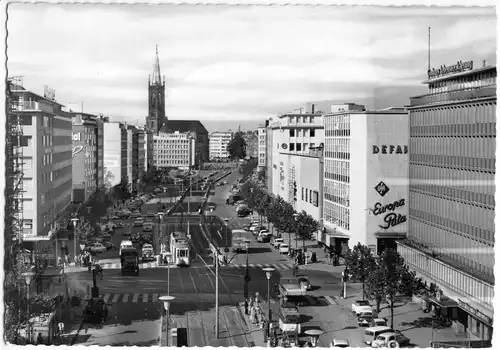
{"x":115,"y":154}
{"x":451,"y":226}
{"x":291,"y":134}
{"x":174,"y":150}
{"x":365,"y":178}
{"x":218,"y":142}
{"x":46,"y":152}
{"x":85,"y":156}
{"x":262,"y":148}
{"x":141,"y":152}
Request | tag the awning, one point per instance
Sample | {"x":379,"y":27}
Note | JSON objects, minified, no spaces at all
{"x":448,"y":303}
{"x":390,"y":235}
{"x":338,"y":234}
{"x":36,"y":238}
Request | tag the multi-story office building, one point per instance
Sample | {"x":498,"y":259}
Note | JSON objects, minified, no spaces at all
{"x":149,"y":150}
{"x":291,"y":134}
{"x":365,"y":177}
{"x":269,"y":154}
{"x":218,"y":142}
{"x":141,"y":152}
{"x":451,"y":226}
{"x":47,"y":181}
{"x":262,"y":147}
{"x":100,"y":152}
{"x":174,"y":150}
{"x":85,"y":156}
{"x":115,"y":154}
{"x":132,"y":157}
{"x":197,"y":131}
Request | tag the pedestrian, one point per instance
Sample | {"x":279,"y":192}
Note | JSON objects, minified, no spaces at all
{"x":246,"y":306}
{"x":39,"y":339}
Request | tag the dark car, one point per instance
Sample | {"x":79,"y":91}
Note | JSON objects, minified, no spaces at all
{"x":108,"y":245}
{"x":135,"y":238}
{"x":145,"y":238}
{"x":130,"y":261}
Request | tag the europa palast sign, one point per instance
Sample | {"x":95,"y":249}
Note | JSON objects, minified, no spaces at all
{"x":391,"y":219}
{"x":445,"y":70}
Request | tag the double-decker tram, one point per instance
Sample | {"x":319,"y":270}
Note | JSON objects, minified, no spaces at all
{"x":179,"y":246}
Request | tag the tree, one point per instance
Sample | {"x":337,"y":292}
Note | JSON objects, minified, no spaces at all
{"x":237,"y":147}
{"x":388,"y":278}
{"x":360,"y":263}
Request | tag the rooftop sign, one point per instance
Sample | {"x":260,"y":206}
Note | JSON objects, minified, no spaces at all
{"x":446,"y":70}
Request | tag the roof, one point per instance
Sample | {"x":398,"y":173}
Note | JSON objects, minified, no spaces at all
{"x":184,"y":126}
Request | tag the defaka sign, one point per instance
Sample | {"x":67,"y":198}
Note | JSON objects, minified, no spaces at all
{"x":391,"y":219}
{"x":389,"y":149}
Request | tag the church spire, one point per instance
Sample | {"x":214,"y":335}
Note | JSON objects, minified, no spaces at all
{"x":156,"y":70}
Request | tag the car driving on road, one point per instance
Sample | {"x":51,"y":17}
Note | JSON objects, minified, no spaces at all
{"x":97,"y":248}
{"x":360,"y":306}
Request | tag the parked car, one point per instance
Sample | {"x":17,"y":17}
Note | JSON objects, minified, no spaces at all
{"x":256,"y":230}
{"x":378,"y":322}
{"x":147,"y":252}
{"x":359,"y":306}
{"x":284,"y":249}
{"x":147,"y":226}
{"x":135,"y":215}
{"x":119,"y":224}
{"x":304,"y":282}
{"x":339,"y":343}
{"x":138,"y":222}
{"x":264,"y":237}
{"x":277,"y":242}
{"x":97,"y":248}
{"x":391,"y":340}
{"x":108,"y":245}
{"x":150,"y":214}
{"x":135,"y":238}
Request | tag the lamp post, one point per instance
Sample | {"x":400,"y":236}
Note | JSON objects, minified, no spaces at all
{"x":166,"y":299}
{"x":296,"y":218}
{"x":28,"y":277}
{"x":160,"y":231}
{"x":247,"y":273}
{"x":168,"y":255}
{"x":269,"y":272}
{"x":314,"y":334}
{"x":75,"y":222}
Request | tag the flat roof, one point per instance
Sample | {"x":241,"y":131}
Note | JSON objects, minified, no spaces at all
{"x":397,"y":110}
{"x":460,"y":74}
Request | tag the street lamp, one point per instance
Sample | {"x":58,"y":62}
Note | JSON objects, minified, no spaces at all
{"x":169,"y":256}
{"x":75,"y":222}
{"x":296,"y":218}
{"x":160,"y":231}
{"x":28,"y":277}
{"x":247,"y":273}
{"x":269,"y":272}
{"x":314,"y":334}
{"x":167,"y":299}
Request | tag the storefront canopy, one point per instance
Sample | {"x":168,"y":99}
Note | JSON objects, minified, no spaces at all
{"x":390,"y":235}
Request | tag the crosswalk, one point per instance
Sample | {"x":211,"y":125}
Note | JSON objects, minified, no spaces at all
{"x":117,"y":265}
{"x":115,"y":298}
{"x":286,"y":266}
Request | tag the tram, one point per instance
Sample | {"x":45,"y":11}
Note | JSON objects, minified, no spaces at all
{"x":179,"y":246}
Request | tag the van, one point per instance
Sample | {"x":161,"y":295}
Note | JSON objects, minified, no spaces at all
{"x":373,"y":332}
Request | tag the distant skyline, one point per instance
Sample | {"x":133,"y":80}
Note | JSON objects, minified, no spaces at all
{"x":228,"y":65}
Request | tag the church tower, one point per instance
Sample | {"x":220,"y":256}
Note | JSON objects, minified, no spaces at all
{"x":156,"y":99}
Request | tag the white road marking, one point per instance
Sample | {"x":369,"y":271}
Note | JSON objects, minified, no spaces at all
{"x":106,"y":297}
{"x":115,"y":298}
{"x":154,"y":297}
{"x":135,"y":297}
{"x":330,"y":300}
{"x":125,"y":297}
{"x":145,"y":298}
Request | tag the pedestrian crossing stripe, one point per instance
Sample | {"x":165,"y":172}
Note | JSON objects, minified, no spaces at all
{"x":148,"y":265}
{"x":261,"y":266}
{"x":115,"y":298}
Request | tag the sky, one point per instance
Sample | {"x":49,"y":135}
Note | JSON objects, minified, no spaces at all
{"x":229,"y":66}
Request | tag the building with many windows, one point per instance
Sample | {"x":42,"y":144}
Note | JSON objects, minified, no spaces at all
{"x":218,"y":142}
{"x":115,"y":154}
{"x":291,"y":134}
{"x":365,"y":177}
{"x":451,"y":226}
{"x":174,"y":150}
{"x":262,"y":147}
{"x":47,"y":152}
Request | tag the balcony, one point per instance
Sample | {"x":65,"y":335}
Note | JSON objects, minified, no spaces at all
{"x":34,"y":106}
{"x":451,"y":96}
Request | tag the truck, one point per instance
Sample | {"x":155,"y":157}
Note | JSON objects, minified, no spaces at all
{"x":291,"y":290}
{"x":129,"y":259}
{"x":240,"y":244}
{"x":243,"y":210}
{"x":233,"y":199}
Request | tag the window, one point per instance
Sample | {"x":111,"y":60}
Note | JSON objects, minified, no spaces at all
{"x":27,"y":120}
{"x":299,"y":147}
{"x":312,"y":132}
{"x":306,"y":195}
{"x":292,"y":147}
{"x":315,"y":199}
{"x":310,"y":196}
{"x":292,"y":132}
{"x":28,"y":224}
{"x":302,"y":193}
{"x":42,"y":199}
{"x":45,"y":122}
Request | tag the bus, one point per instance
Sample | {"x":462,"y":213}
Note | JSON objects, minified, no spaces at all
{"x":179,"y":246}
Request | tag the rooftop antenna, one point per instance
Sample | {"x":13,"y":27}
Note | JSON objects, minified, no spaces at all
{"x":429,"y":52}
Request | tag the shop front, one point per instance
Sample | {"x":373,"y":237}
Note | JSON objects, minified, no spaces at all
{"x":477,"y":322}
{"x":387,"y":240}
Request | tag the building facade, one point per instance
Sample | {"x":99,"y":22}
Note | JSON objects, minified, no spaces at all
{"x":291,"y":134}
{"x":141,"y":153}
{"x":200,"y":134}
{"x":174,"y":150}
{"x":47,"y":151}
{"x":252,"y":141}
{"x":85,"y":156}
{"x":451,"y":224}
{"x":365,"y":178}
{"x":218,"y":142}
{"x":262,"y":148}
{"x":115,"y":154}
{"x":100,"y":152}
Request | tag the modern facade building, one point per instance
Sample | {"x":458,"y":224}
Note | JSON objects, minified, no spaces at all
{"x":291,"y":134}
{"x":365,"y":177}
{"x":252,"y":141}
{"x":100,"y":152}
{"x":262,"y":148}
{"x":85,"y":156}
{"x":141,"y":152}
{"x":149,"y":150}
{"x":47,"y":152}
{"x":197,"y":131}
{"x":174,"y":150}
{"x":218,"y":142}
{"x":451,"y":223}
{"x":115,"y":154}
{"x":132,"y":157}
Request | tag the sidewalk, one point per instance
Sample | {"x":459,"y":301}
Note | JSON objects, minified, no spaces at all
{"x":255,"y":333}
{"x":73,"y":324}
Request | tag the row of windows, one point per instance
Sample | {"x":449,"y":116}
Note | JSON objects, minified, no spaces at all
{"x":310,"y":196}
{"x":459,"y":248}
{"x":337,"y":177}
{"x":337,"y":122}
{"x":302,"y":132}
{"x":473,"y":232}
{"x":456,"y":280}
{"x":476,"y":147}
{"x":337,"y":199}
{"x":299,"y":147}
{"x":466,"y":82}
{"x":47,"y":178}
{"x":336,"y":214}
{"x":47,"y":159}
{"x":485,"y":165}
{"x":302,"y":119}
{"x":457,"y":130}
{"x":337,"y":155}
{"x":464,"y":115}
{"x":337,"y":132}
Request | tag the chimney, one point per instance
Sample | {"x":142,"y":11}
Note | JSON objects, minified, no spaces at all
{"x":312,"y":108}
{"x":484,"y":63}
